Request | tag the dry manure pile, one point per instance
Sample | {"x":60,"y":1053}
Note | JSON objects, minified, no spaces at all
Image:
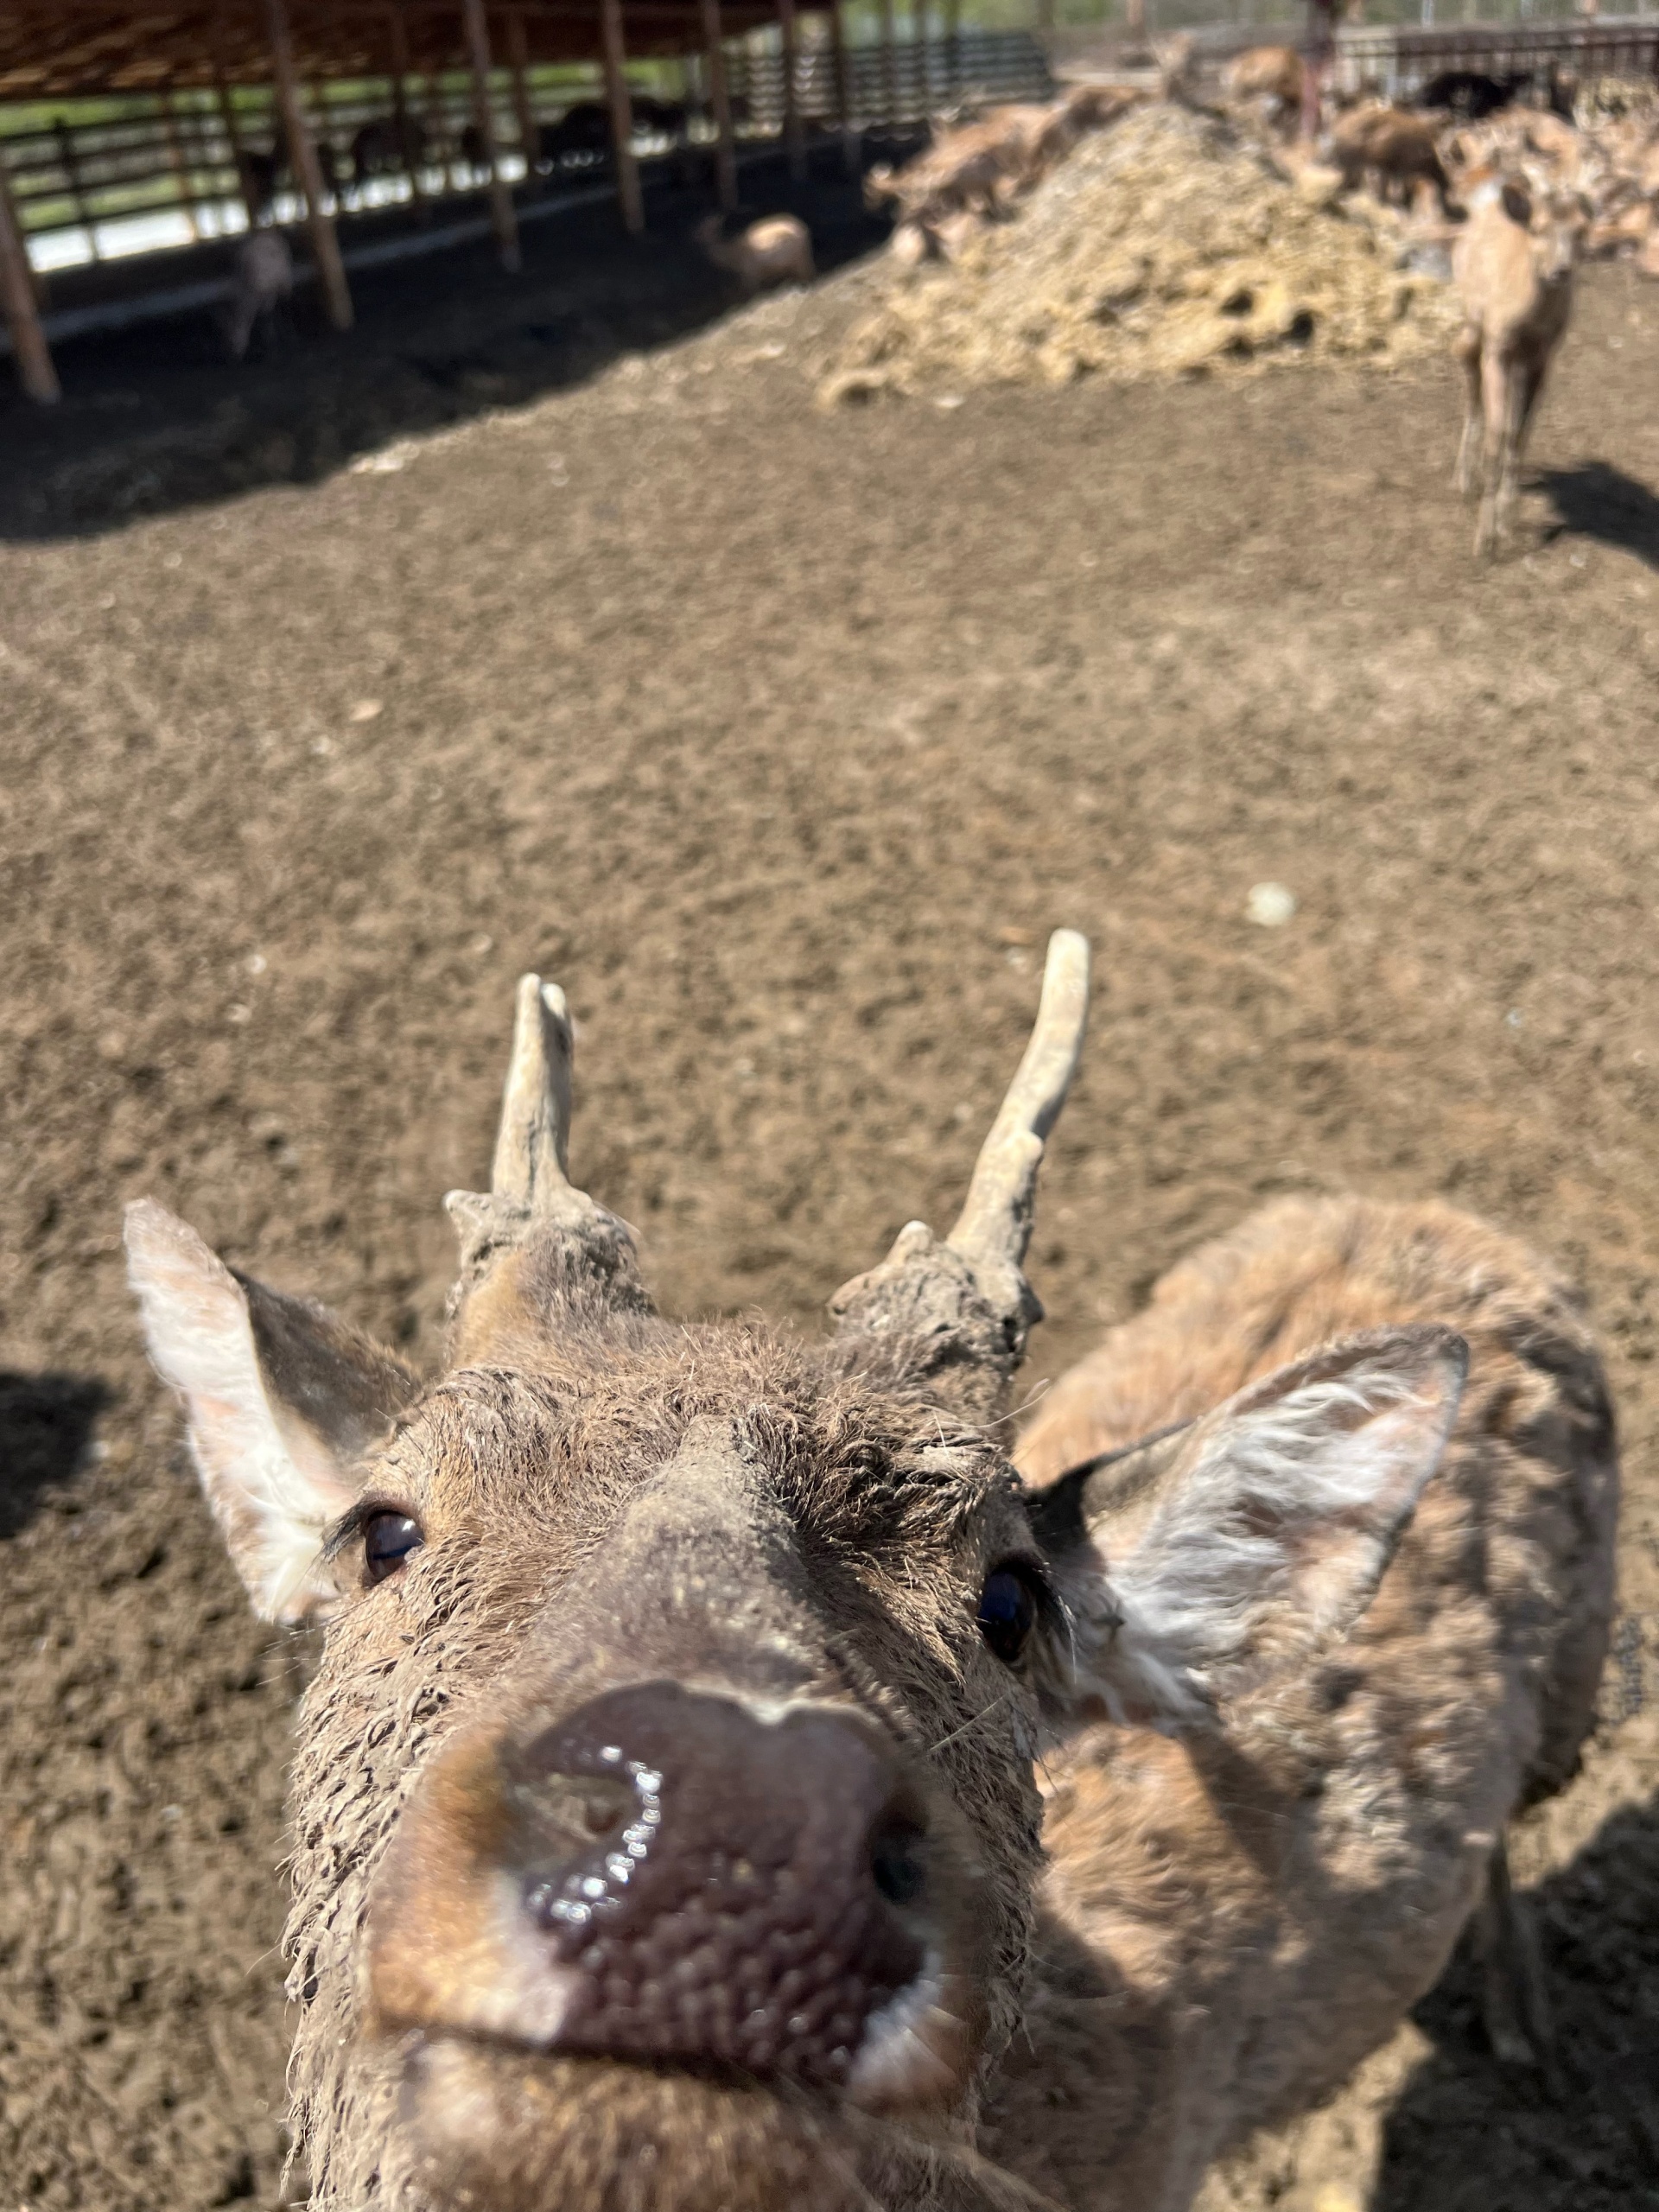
{"x":1165,"y":247}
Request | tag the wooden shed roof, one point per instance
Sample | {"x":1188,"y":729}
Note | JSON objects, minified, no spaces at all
{"x":59,"y":49}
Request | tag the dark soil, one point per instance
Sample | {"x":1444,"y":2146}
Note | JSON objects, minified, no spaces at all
{"x":781,"y":739}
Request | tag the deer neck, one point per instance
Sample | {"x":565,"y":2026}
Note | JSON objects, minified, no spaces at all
{"x":1157,"y":1909}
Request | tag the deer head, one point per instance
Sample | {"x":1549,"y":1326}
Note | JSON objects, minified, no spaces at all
{"x":666,"y":1779}
{"x":665,"y":1836}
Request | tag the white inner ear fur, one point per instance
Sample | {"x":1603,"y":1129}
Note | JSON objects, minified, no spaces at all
{"x":1272,"y":1535}
{"x":273,"y":1502}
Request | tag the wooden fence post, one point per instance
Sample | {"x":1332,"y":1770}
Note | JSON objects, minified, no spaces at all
{"x":851,"y":146}
{"x":621,"y":107}
{"x":302,"y":157}
{"x":502,"y":214}
{"x":176,"y":161}
{"x":518,"y":57}
{"x":720,"y":99}
{"x":234,"y":137}
{"x":889,"y":63}
{"x":794,"y":136}
{"x":71,"y":162}
{"x":29,"y":347}
{"x":403,"y":121}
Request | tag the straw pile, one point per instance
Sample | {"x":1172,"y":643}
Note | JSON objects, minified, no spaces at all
{"x":1165,"y":247}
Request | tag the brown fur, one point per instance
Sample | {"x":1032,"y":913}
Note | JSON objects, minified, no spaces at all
{"x":1394,"y":150}
{"x":530,"y":1470}
{"x":1234,"y":1923}
{"x":1271,"y":74}
{"x":1514,"y":266}
{"x":777,"y":250}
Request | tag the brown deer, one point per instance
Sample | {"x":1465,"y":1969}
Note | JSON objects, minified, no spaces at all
{"x":1272,"y":74}
{"x":667,"y":1832}
{"x":1514,"y":263}
{"x":777,"y":250}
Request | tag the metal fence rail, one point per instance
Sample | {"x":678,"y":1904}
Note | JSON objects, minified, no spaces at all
{"x":1404,"y":56}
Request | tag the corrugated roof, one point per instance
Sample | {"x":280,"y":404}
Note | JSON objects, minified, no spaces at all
{"x":59,"y":49}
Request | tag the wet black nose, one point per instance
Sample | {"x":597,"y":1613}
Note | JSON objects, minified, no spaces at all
{"x":728,"y":1887}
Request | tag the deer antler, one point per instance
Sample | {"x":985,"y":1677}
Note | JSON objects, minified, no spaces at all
{"x":531,"y":1200}
{"x":965,"y":1303}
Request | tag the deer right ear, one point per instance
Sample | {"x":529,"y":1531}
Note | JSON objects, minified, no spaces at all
{"x":1230,"y":1553}
{"x":281,"y":1399}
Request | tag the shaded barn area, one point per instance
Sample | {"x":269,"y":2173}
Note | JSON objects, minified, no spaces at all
{"x":380,"y":133}
{"x":156,"y":417}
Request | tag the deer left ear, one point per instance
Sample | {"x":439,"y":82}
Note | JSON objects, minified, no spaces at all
{"x":1254,"y":1539}
{"x":282,"y":1399}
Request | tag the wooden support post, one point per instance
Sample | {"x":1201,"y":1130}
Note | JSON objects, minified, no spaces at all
{"x":199,"y":152}
{"x":621,"y":107}
{"x":518,"y":56}
{"x":29,"y":348}
{"x":720,"y":99}
{"x":437,"y":128}
{"x":852,"y":144}
{"x":233,"y":138}
{"x":889,"y":64}
{"x":303,"y":159}
{"x":402,"y":121}
{"x":502,"y":216}
{"x":176,"y":161}
{"x":70,"y":161}
{"x":789,"y":43}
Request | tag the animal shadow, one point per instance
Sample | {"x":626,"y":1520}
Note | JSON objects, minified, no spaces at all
{"x":1470,"y":2134}
{"x":45,"y":1426}
{"x":1597,"y":501}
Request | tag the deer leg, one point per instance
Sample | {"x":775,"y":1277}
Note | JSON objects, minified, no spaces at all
{"x":1531,"y":380}
{"x":1514,"y":1997}
{"x":1467,"y":351}
{"x":1521,"y":388}
{"x":1495,"y":378}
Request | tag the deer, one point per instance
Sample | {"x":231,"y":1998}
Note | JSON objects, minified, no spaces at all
{"x":1394,"y":148}
{"x":1514,"y":264}
{"x":1272,"y":74}
{"x":261,"y":283}
{"x":777,"y":250}
{"x":733,"y":1779}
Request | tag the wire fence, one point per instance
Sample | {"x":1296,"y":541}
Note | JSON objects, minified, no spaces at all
{"x":93,"y":180}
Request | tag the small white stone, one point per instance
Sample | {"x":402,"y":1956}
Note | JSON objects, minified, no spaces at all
{"x":1270,"y":905}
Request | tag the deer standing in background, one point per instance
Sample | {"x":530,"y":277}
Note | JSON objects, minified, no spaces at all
{"x":667,"y":1835}
{"x":262,"y":284}
{"x":1514,"y":264}
{"x":777,"y":250}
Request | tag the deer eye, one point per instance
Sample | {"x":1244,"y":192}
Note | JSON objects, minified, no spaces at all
{"x":388,"y":1540}
{"x":1007,"y":1611}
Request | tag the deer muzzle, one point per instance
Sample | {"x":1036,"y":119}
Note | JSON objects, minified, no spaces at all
{"x":667,"y":1876}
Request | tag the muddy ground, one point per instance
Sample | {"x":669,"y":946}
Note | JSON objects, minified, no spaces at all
{"x":781,"y":739}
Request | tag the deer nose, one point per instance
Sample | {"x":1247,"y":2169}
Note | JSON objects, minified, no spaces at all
{"x":714,"y":1884}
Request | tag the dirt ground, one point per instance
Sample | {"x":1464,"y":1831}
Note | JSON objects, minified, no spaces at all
{"x":781,"y":737}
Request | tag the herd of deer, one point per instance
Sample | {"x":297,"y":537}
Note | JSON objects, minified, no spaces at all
{"x":742,"y":1774}
{"x":1533,"y":191}
{"x":1521,"y":194}
{"x":1518,"y":190}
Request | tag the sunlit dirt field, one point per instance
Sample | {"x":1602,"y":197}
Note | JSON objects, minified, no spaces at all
{"x":782,"y":739}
